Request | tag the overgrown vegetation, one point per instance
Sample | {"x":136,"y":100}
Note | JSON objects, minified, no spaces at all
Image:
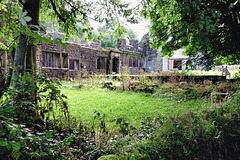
{"x":172,"y":120}
{"x":205,"y":133}
{"x":34,"y":115}
{"x":212,"y":134}
{"x":83,"y":103}
{"x":196,"y":26}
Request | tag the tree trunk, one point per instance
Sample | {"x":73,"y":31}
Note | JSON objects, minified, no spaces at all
{"x":25,"y":56}
{"x":20,"y":59}
{"x":32,"y":7}
{"x":25,"y":61}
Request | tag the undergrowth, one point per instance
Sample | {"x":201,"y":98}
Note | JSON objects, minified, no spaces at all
{"x":46,"y":130}
{"x":212,"y":134}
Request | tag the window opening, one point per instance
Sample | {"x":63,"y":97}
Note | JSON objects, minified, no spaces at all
{"x":177,"y":64}
{"x":50,"y":59}
{"x":189,"y":64}
{"x":43,"y":59}
{"x":73,"y":64}
{"x":65,"y":60}
{"x":99,"y":63}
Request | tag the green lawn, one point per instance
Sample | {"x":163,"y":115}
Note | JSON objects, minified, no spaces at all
{"x":131,"y":105}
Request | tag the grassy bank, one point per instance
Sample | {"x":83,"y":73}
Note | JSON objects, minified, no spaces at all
{"x":167,"y":127}
{"x":85,"y":103}
{"x":176,"y":121}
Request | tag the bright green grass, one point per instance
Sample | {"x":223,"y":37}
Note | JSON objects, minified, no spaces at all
{"x":116,"y":104}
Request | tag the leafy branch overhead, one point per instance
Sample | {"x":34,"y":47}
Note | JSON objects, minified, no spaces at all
{"x":69,"y":13}
{"x":211,"y":28}
{"x":66,"y":13}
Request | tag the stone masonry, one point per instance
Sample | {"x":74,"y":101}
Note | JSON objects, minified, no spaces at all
{"x":81,"y":59}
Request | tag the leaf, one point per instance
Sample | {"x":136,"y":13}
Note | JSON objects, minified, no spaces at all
{"x":9,"y":109}
{"x":23,"y":14}
{"x":3,"y":143}
{"x":16,"y":146}
{"x":208,"y":28}
{"x":27,"y":18}
{"x":23,"y":22}
{"x":67,"y":143}
{"x":28,"y":31}
{"x":34,"y":43}
{"x":15,"y":154}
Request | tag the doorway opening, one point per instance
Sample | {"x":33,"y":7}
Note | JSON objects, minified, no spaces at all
{"x":115,"y":65}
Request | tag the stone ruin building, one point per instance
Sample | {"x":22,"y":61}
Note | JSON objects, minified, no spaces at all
{"x":79,"y":58}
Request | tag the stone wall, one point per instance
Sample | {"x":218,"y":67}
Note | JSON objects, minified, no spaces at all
{"x":154,"y":61}
{"x":61,"y":62}
{"x":80,"y":59}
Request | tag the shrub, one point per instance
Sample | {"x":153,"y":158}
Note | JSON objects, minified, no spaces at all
{"x":213,"y":134}
{"x":42,"y":130}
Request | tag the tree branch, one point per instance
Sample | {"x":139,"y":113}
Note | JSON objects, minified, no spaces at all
{"x":83,"y":13}
{"x":55,"y":10}
{"x":30,"y":14}
{"x":71,"y":13}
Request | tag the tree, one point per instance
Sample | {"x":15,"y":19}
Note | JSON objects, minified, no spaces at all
{"x":25,"y":55}
{"x":27,"y":31}
{"x":109,"y":37}
{"x":132,"y":34}
{"x":109,"y":40}
{"x":209,"y":27}
{"x":110,"y":32}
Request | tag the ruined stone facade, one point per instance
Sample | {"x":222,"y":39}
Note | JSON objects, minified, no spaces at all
{"x":80,"y":59}
{"x":154,"y":60}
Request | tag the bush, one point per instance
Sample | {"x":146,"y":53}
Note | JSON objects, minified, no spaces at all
{"x":42,"y":130}
{"x":213,"y":134}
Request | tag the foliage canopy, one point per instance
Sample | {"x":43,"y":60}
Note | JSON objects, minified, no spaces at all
{"x":73,"y":17}
{"x":209,"y":27}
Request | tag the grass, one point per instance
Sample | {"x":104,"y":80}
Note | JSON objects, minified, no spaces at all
{"x":212,"y":72}
{"x":85,"y":102}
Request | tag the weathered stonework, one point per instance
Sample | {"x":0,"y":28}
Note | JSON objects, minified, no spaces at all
{"x":80,"y":59}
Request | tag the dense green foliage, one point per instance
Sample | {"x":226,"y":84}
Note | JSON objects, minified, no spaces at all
{"x":205,"y":133}
{"x":26,"y":124}
{"x":213,"y":134}
{"x":162,"y":125}
{"x":109,"y":38}
{"x":71,"y":17}
{"x":209,"y":27}
{"x":111,"y":31}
